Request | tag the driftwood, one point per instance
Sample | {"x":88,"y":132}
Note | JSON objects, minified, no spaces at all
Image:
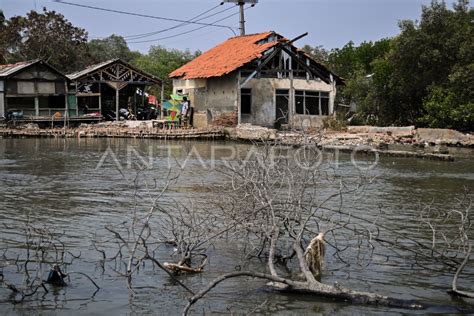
{"x":314,"y":288}
{"x":184,"y":265}
{"x":182,"y":268}
{"x":455,"y":291}
{"x":314,"y":254}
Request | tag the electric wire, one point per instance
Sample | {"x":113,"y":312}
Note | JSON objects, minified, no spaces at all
{"x":143,"y":35}
{"x":182,"y":33}
{"x":142,"y":15}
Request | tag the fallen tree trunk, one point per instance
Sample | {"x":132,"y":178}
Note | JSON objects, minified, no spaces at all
{"x":313,"y":288}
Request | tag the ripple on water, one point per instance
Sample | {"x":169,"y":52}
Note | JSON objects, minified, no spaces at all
{"x":58,"y":184}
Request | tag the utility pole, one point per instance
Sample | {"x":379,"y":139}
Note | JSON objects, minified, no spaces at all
{"x":241,"y":4}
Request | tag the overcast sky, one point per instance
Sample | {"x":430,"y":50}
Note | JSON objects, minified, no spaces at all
{"x":330,"y":23}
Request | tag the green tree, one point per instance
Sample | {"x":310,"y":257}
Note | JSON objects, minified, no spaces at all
{"x":111,"y":47}
{"x":429,"y":60}
{"x":319,"y":53}
{"x":161,"y":61}
{"x":3,"y":42}
{"x":451,"y":102}
{"x":47,"y":36}
{"x":356,"y":65}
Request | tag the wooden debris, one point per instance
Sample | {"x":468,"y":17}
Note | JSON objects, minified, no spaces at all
{"x":182,"y":268}
{"x":314,"y":254}
{"x":185,"y":266}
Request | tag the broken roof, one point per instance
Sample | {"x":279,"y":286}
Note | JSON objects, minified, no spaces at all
{"x":11,"y":69}
{"x":227,"y":57}
{"x":93,"y":68}
{"x":237,"y":52}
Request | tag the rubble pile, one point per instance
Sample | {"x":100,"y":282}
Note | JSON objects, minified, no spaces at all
{"x":226,"y":120}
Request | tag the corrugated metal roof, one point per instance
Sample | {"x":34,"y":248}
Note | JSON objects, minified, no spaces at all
{"x":90,"y":69}
{"x":227,"y":57}
{"x":10,"y":69}
{"x":93,"y":68}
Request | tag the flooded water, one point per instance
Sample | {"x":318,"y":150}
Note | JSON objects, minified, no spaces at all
{"x":74,"y":188}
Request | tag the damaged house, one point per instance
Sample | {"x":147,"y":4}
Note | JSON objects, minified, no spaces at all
{"x":109,"y":86}
{"x":264,"y":77}
{"x":32,"y":88}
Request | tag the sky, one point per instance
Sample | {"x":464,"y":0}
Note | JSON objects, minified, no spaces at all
{"x":330,"y":23}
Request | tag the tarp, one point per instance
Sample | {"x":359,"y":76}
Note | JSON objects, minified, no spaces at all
{"x":177,"y":97}
{"x":172,"y":105}
{"x":152,"y":99}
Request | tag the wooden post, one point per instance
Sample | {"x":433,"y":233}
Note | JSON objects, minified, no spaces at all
{"x":135,"y":98}
{"x":66,"y":107}
{"x":2,"y":104}
{"x":36,"y":105}
{"x":77,"y":102}
{"x":116,"y":103}
{"x":162,"y":99}
{"x":100,"y":97}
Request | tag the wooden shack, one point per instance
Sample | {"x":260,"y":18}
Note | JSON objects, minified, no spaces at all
{"x":32,"y":88}
{"x":107,"y":87}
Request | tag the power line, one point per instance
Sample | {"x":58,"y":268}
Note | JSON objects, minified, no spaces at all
{"x":143,"y":35}
{"x":142,"y":15}
{"x":182,"y":33}
{"x":172,"y":27}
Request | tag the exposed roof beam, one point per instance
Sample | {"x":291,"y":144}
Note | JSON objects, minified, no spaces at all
{"x":276,"y":50}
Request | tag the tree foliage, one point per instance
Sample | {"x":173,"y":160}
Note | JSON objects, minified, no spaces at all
{"x":111,"y":47}
{"x":423,"y":76}
{"x":161,"y":61}
{"x":47,"y":35}
{"x":317,"y":52}
{"x":430,"y":65}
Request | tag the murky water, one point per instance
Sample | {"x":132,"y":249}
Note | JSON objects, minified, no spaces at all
{"x":58,"y":184}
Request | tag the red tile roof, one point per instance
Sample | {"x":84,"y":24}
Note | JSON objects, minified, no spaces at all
{"x":226,"y":57}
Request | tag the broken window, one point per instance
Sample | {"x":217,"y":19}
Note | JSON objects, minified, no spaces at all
{"x":299,"y":102}
{"x":245,"y":101}
{"x":324,"y":103}
{"x":311,"y":102}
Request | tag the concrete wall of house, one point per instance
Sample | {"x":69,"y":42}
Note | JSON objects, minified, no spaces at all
{"x":214,"y":96}
{"x":222,"y":94}
{"x":209,"y":97}
{"x":195,"y":88}
{"x":263,"y":109}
